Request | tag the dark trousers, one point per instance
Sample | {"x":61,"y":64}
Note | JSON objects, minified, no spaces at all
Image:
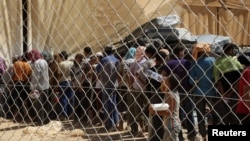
{"x":228,"y":108}
{"x":42,"y":107}
{"x":19,"y":98}
{"x":201,"y":102}
{"x":186,"y":115}
{"x":226,"y":112}
{"x":156,"y":130}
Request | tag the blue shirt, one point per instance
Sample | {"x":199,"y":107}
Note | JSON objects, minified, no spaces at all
{"x":201,"y":73}
{"x":107,"y":71}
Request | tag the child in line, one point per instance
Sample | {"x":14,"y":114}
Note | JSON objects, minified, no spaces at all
{"x":172,"y":123}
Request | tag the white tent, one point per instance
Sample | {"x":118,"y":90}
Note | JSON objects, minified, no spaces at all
{"x":55,"y":25}
{"x":71,"y":25}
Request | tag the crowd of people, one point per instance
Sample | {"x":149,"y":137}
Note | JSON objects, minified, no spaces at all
{"x":110,"y":88}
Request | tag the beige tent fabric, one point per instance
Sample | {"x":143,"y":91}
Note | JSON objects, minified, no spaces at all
{"x":199,"y":20}
{"x":226,"y":17}
{"x":56,"y":25}
{"x":235,"y":24}
{"x":10,"y":29}
{"x":71,"y":25}
{"x":235,"y":4}
{"x":210,"y":3}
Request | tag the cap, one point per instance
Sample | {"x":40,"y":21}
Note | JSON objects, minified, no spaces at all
{"x":99,"y":54}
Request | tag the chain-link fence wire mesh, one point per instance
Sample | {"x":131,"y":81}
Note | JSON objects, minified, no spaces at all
{"x":88,"y":80}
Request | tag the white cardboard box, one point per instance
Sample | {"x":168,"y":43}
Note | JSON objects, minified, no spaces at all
{"x":160,"y":106}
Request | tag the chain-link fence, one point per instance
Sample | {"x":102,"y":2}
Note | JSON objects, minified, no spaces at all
{"x":122,"y":70}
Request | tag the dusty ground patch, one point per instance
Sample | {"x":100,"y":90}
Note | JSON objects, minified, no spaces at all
{"x":60,"y":131}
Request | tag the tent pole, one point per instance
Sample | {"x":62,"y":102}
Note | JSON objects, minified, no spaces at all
{"x":25,"y":24}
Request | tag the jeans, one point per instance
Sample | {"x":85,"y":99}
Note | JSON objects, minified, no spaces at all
{"x":66,"y":98}
{"x":111,"y":114}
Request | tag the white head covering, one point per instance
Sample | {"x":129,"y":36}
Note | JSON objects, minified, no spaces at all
{"x":140,"y":53}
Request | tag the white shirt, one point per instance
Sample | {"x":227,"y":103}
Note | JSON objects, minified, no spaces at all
{"x":64,"y":69}
{"x":40,"y":75}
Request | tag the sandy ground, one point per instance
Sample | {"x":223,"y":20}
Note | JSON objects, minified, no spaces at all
{"x":66,"y":130}
{"x":61,"y":131}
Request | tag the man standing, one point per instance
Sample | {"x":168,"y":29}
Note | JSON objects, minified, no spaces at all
{"x":107,"y":73}
{"x":136,"y":97}
{"x":227,"y":72}
{"x":66,"y":93}
{"x":40,"y":82}
{"x":85,"y":100}
{"x":87,"y":52}
{"x":201,"y":78}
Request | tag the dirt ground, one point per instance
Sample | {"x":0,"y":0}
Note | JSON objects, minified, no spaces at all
{"x":61,"y":131}
{"x":69,"y":131}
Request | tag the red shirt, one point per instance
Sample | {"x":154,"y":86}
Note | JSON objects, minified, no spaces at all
{"x":244,"y":80}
